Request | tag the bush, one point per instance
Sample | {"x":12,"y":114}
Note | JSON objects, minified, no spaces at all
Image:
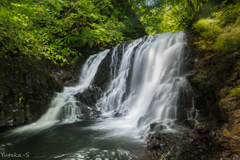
{"x":207,"y":28}
{"x":222,"y":33}
{"x":229,"y":14}
{"x":228,"y":42}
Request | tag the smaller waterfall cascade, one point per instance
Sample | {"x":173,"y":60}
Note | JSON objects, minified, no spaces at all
{"x":147,"y":82}
{"x":63,"y":106}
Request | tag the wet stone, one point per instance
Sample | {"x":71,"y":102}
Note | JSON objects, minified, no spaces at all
{"x":157,"y":126}
{"x":117,"y":114}
{"x":141,"y":121}
{"x":190,"y":123}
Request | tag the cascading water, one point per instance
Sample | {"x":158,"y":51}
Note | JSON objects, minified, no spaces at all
{"x":146,"y":83}
{"x":63,"y":107}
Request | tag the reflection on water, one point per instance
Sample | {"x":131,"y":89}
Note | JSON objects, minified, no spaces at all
{"x":102,"y":139}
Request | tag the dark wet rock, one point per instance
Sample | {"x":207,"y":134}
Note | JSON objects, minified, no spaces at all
{"x":190,"y":123}
{"x":25,"y":92}
{"x":230,"y":106}
{"x":157,"y":126}
{"x":87,"y":112}
{"x":106,"y":70}
{"x":163,"y":145}
{"x":184,"y":103}
{"x":160,"y":127}
{"x":203,"y":128}
{"x":153,"y":126}
{"x":89,"y":96}
{"x":87,"y":102}
{"x":176,"y":127}
{"x":187,"y":145}
{"x":103,"y":74}
{"x":117,"y":114}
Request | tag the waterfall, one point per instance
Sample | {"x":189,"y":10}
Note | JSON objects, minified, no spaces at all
{"x":63,"y":107}
{"x":147,"y":84}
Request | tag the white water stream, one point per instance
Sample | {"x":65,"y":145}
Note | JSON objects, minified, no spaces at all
{"x":66,"y":100}
{"x":156,"y":71}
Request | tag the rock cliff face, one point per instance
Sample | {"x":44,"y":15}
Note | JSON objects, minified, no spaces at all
{"x":25,"y":91}
{"x":87,"y":101}
{"x":103,"y":75}
{"x":214,"y":75}
{"x":215,"y":132}
{"x":27,"y":86}
{"x":101,"y":80}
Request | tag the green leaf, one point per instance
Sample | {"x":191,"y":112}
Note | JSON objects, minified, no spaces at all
{"x":91,"y":42}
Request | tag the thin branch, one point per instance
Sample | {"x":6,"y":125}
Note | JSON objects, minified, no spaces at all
{"x":73,"y":7}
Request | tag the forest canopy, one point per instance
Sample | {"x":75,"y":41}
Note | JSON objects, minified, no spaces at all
{"x":174,"y":15}
{"x":57,"y":29}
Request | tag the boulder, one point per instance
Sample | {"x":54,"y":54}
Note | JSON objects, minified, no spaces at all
{"x":157,"y":127}
{"x":89,"y":96}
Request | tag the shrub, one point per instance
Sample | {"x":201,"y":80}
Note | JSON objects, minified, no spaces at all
{"x":228,"y":42}
{"x":229,"y":14}
{"x":207,"y":28}
{"x":223,"y":32}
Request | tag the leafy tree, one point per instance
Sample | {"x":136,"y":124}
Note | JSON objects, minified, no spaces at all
{"x":172,"y":15}
{"x":55,"y":29}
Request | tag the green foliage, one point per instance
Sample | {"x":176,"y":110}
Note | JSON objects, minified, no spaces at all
{"x":228,"y":42}
{"x":223,"y":32}
{"x":238,"y":66}
{"x":173,"y":15}
{"x":207,"y":28}
{"x":235,"y":91}
{"x":150,"y":14}
{"x":56,"y":29}
{"x":228,"y":14}
{"x":131,"y":26}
